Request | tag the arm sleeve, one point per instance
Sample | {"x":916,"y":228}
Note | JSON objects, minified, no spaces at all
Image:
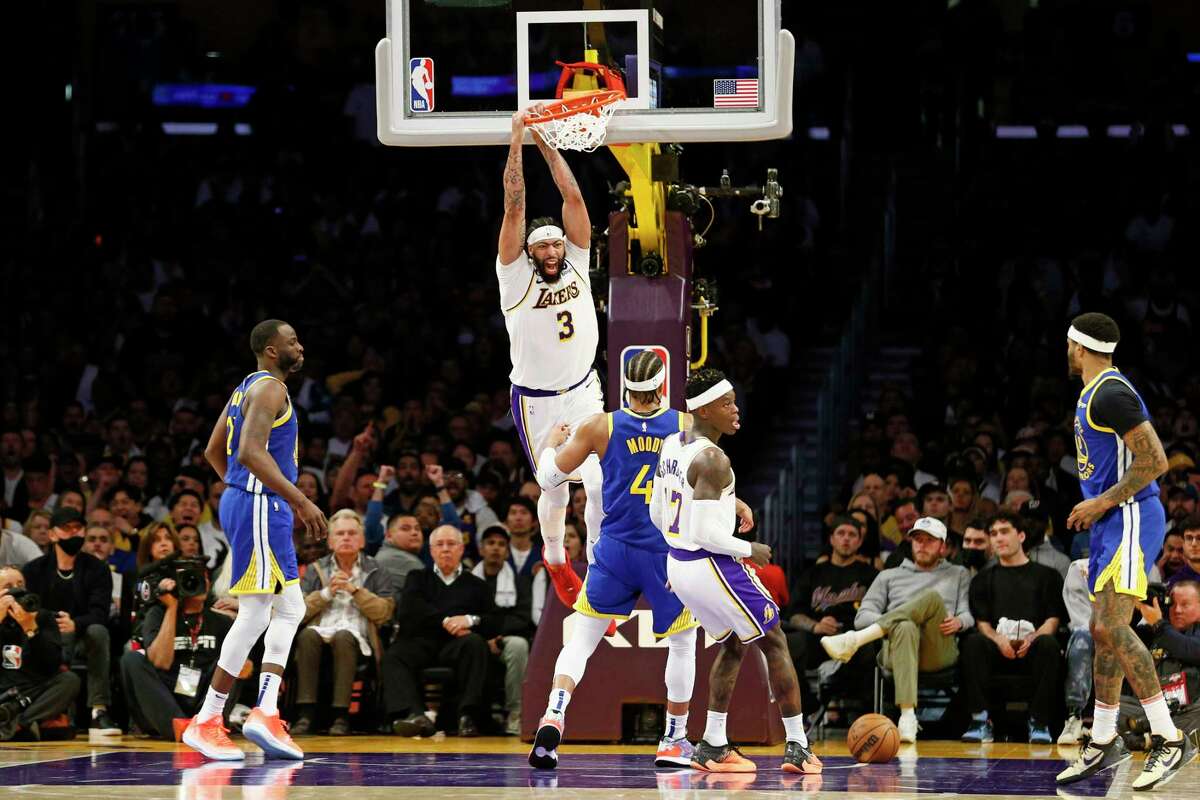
{"x":713,"y":530}
{"x":1114,"y":405}
{"x":874,"y":602}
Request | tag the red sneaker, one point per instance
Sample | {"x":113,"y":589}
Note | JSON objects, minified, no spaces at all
{"x":270,"y":733}
{"x":567,"y":584}
{"x":212,"y":740}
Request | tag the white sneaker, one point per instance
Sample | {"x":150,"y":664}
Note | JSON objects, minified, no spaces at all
{"x":842,"y":646}
{"x":908,"y":726}
{"x":1072,"y":731}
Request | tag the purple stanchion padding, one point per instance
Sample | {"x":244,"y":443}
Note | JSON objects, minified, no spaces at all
{"x":630,"y":670}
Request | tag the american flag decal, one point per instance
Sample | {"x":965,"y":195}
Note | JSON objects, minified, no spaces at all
{"x":740,"y":93}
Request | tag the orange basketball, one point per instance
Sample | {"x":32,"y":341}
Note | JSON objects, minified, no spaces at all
{"x":873,"y":739}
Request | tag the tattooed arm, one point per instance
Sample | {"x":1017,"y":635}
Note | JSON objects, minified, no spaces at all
{"x":1149,"y":462}
{"x":576,"y":224}
{"x":512,"y":230}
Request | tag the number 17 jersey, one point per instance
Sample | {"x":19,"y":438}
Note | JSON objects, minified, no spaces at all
{"x":629,"y":463}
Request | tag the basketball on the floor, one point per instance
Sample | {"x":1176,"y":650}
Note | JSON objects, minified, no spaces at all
{"x":873,"y":739}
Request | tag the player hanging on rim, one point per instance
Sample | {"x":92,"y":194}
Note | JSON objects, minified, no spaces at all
{"x":546,"y":297}
{"x":1119,"y":458}
{"x":630,"y":557}
{"x":253,"y":448}
{"x":693,"y":506}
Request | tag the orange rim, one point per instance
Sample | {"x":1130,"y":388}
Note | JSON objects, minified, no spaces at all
{"x":587,"y":104}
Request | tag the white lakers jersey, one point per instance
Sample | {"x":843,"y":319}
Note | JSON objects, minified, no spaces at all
{"x":552,"y":328}
{"x":673,"y":494}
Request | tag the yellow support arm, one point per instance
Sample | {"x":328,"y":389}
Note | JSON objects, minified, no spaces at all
{"x":648,"y":222}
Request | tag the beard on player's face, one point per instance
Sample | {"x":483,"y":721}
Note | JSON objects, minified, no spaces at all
{"x":290,"y":361}
{"x":1074,"y":365}
{"x":554,"y":266}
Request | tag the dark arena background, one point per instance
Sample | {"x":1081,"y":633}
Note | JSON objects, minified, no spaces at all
{"x":881,"y":222}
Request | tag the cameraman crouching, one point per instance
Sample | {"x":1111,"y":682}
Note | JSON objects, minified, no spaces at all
{"x":183,"y":636}
{"x":33,"y":683}
{"x":1174,"y":640}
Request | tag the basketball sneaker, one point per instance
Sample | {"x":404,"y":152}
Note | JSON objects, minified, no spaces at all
{"x":842,"y":646}
{"x":980,"y":732}
{"x":1164,"y":761}
{"x":544,"y":753}
{"x":799,"y":758}
{"x":1093,"y":757}
{"x":725,"y":758}
{"x":567,"y":584}
{"x":674,"y":753}
{"x":907,"y":727}
{"x":270,"y":733}
{"x":211,"y":739}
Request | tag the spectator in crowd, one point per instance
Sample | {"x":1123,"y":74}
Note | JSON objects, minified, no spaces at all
{"x":97,"y":542}
{"x":16,"y":496}
{"x":78,"y":590}
{"x":1017,"y":605}
{"x":468,"y":503}
{"x":401,"y":550}
{"x":907,"y":448}
{"x":403,"y":499}
{"x":919,"y":607}
{"x":17,"y":549}
{"x":1036,"y":522}
{"x":933,"y":499}
{"x":976,"y":549}
{"x":212,"y":537}
{"x":71,"y":498}
{"x":826,"y":597}
{"x":37,"y":529}
{"x":167,"y":679}
{"x":525,"y":545}
{"x":348,"y":596}
{"x":1190,"y":571}
{"x":1081,"y":650}
{"x":518,"y":600}
{"x":35,"y":685}
{"x":39,"y":483}
{"x":125,"y":503}
{"x":446,"y":616}
{"x":1171,"y":560}
{"x":964,"y":503}
{"x":573,"y":541}
{"x":1173,"y":637}
{"x":190,"y":544}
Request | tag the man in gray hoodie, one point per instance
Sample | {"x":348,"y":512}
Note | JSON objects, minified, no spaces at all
{"x":918,"y":607}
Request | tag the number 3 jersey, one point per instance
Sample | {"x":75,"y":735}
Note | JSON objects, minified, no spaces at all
{"x":629,"y":463}
{"x":552,"y":328}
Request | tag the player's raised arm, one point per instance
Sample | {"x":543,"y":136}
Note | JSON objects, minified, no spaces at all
{"x":556,"y":465}
{"x":576,"y":223}
{"x":262,"y":405}
{"x":512,"y":230}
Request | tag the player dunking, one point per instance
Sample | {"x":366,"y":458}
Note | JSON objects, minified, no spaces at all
{"x":546,"y":297}
{"x":630,"y":557}
{"x":1119,"y":458}
{"x":253,"y":448}
{"x":693,"y":506}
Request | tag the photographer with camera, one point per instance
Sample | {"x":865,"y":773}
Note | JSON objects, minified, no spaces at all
{"x":34,"y":684}
{"x":77,"y":588}
{"x":1171,"y":631}
{"x":182,"y":637}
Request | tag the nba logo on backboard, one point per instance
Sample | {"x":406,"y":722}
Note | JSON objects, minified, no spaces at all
{"x":420,"y":93}
{"x":631,"y":351}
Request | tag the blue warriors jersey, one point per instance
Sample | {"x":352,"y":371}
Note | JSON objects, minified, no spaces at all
{"x":281,"y":444}
{"x":634,"y":442}
{"x":1100,"y":453}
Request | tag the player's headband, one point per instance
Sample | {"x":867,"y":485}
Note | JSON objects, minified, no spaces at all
{"x":1090,"y":342}
{"x":708,"y":395}
{"x":546,"y":233}
{"x":648,"y":385}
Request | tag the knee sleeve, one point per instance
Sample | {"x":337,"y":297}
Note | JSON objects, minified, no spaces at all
{"x":572,"y":659}
{"x":289,"y":612}
{"x":681,"y":666}
{"x":253,"y":617}
{"x":552,"y":517}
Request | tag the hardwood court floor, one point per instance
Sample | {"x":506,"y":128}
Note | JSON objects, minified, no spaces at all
{"x":366,"y":768}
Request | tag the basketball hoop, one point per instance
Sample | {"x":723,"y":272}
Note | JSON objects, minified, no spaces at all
{"x":580,"y":123}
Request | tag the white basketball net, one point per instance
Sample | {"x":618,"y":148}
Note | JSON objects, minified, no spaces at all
{"x":584,"y":131}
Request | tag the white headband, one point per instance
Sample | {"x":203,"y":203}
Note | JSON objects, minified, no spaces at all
{"x":544,"y":234}
{"x":1090,"y":342}
{"x":648,"y":385}
{"x":708,"y":395}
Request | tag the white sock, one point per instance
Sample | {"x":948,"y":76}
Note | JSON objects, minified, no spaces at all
{"x":559,"y":700}
{"x":552,"y":518}
{"x":714,"y":732}
{"x":676,"y":726}
{"x":429,"y":712}
{"x":1159,"y":717}
{"x":268,"y":693}
{"x":794,"y":728}
{"x":214,"y":705}
{"x":1104,"y":722}
{"x":868,"y":634}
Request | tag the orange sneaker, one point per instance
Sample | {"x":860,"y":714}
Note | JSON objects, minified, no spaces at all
{"x":567,"y":584}
{"x":270,"y":733}
{"x":725,"y":758}
{"x":211,"y":739}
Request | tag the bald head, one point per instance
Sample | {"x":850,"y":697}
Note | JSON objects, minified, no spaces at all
{"x":446,"y":547}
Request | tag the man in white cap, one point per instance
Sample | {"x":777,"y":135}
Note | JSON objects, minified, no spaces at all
{"x":918,"y":608}
{"x":546,"y":297}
